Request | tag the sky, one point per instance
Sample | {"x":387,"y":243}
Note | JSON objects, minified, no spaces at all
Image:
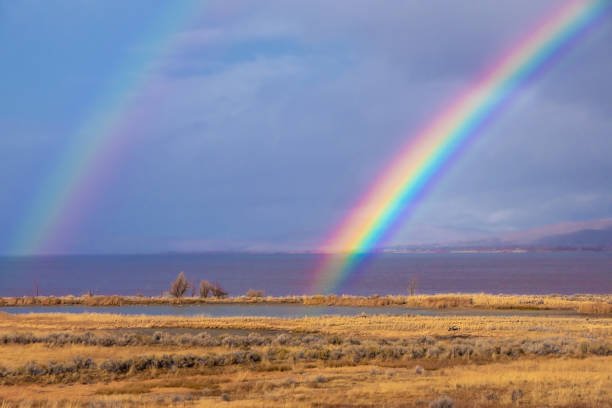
{"x":258,"y":125}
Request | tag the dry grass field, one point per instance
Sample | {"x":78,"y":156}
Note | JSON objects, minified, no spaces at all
{"x":102,"y":360}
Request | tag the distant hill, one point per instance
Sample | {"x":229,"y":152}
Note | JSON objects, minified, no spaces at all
{"x":582,"y":238}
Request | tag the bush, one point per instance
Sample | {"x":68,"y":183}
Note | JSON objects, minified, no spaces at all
{"x":319,"y":379}
{"x":336,"y":340}
{"x":55,"y":368}
{"x":443,"y":402}
{"x":207,"y":289}
{"x":283,"y":339}
{"x":517,"y":395}
{"x":33,"y":368}
{"x":252,"y":293}
{"x":217,"y":291}
{"x":116,"y":366}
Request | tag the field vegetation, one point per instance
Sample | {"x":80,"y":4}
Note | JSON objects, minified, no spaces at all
{"x":213,"y":293}
{"x":104,"y":360}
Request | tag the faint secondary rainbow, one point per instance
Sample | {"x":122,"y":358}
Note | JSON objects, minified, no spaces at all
{"x":400,"y":186}
{"x":70,"y":189}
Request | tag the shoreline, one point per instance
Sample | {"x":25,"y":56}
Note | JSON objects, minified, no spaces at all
{"x":580,"y":303}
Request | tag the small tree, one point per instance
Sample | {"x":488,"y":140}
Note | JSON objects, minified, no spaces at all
{"x":179,"y":286}
{"x":205,"y":288}
{"x":218,"y":291}
{"x":412,"y":286}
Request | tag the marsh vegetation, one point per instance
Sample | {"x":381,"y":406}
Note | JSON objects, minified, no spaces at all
{"x":211,"y":293}
{"x":112,"y":360}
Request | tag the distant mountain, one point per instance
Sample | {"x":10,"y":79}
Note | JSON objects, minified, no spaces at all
{"x":582,"y":238}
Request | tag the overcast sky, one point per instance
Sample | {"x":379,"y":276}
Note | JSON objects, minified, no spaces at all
{"x":261,"y":123}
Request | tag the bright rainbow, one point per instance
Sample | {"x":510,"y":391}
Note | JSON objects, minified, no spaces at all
{"x":69,"y":191}
{"x":398,"y":188}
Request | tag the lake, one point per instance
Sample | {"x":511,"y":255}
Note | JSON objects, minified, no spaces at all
{"x":285,"y":274}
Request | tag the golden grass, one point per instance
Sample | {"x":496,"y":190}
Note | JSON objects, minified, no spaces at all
{"x":555,"y":380}
{"x":535,"y":383}
{"x":14,"y":355}
{"x":375,"y":325}
{"x":592,"y":304}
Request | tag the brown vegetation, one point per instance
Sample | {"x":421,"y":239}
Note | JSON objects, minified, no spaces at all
{"x":252,"y":293}
{"x":179,"y":286}
{"x":205,"y":288}
{"x":588,"y":304}
{"x":412,"y":286}
{"x":481,"y":361}
{"x":217,"y":291}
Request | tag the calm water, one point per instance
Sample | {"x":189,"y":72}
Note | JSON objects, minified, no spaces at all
{"x":273,"y":311}
{"x":566,"y":273}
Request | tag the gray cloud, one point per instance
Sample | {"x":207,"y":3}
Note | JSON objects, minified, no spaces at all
{"x":271,"y":119}
{"x":285,"y":138}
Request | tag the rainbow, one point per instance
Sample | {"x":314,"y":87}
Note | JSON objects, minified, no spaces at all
{"x":70,"y":190}
{"x":427,"y":155}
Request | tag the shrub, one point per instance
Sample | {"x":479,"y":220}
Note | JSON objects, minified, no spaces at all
{"x":207,"y":289}
{"x":517,"y":395}
{"x":186,"y":361}
{"x":277,"y":354}
{"x":283,"y":339}
{"x":144,"y":362}
{"x":116,"y":366}
{"x":443,"y":402}
{"x":217,"y":291}
{"x":336,"y":354}
{"x":33,"y":368}
{"x":311,"y":339}
{"x":179,"y":286}
{"x":319,"y":379}
{"x":254,"y":357}
{"x":336,"y":340}
{"x":252,"y":293}
{"x":233,"y":341}
{"x":289,"y":382}
{"x":426,"y":340}
{"x":55,"y":368}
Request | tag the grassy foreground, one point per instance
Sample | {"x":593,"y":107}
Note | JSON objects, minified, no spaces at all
{"x":591,"y":304}
{"x":106,"y":360}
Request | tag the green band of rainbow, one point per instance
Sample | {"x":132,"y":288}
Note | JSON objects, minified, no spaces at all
{"x":425,"y":157}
